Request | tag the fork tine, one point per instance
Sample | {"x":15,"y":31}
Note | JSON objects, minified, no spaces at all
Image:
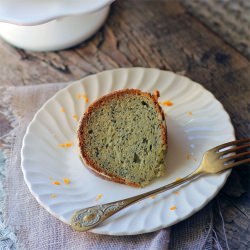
{"x":237,"y":163}
{"x":233,"y":149}
{"x":230,"y":144}
{"x":235,"y":156}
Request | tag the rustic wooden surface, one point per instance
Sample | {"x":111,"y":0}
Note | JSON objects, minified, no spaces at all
{"x":162,"y":35}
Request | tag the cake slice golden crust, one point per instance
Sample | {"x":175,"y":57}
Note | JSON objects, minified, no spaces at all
{"x":122,"y":137}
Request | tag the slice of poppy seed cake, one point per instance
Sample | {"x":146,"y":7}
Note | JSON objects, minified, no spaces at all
{"x":123,"y":137}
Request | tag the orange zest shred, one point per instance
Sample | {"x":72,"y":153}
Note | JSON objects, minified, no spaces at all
{"x":167,"y":103}
{"x":53,"y":196}
{"x":176,"y":192}
{"x":66,"y":145}
{"x":75,"y":117}
{"x":173,"y":208}
{"x":82,"y":96}
{"x":190,"y":157}
{"x":66,"y":181}
{"x":98,"y":197}
{"x":153,"y":196}
{"x":62,"y":110}
{"x":189,"y":113}
{"x":56,"y":183}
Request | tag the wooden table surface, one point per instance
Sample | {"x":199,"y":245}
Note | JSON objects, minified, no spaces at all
{"x":158,"y":34}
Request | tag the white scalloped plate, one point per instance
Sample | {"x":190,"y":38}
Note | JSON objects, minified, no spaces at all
{"x":196,"y":122}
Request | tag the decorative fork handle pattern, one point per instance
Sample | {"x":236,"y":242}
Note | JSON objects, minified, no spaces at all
{"x":87,"y":218}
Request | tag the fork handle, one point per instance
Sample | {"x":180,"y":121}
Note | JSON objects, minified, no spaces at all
{"x":87,"y":218}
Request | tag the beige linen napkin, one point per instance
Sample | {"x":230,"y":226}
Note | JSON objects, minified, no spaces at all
{"x":35,"y":228}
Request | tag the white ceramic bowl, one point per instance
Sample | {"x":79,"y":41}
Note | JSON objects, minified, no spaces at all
{"x":33,"y":12}
{"x":50,"y":25}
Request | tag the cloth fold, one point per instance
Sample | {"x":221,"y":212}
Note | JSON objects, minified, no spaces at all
{"x":35,"y":228}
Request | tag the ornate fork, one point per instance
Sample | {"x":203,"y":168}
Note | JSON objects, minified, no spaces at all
{"x":214,"y":161}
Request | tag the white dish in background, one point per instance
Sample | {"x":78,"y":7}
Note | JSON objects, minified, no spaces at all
{"x":50,"y":25}
{"x":189,"y":135}
{"x":33,"y":12}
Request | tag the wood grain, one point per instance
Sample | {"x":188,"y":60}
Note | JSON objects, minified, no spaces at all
{"x":158,"y":34}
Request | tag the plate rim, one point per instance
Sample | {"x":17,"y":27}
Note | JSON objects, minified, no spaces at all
{"x":180,"y":218}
